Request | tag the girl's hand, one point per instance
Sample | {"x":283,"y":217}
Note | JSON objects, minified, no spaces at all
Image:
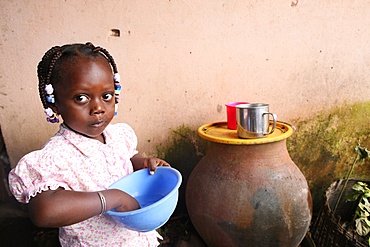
{"x":152,"y":164}
{"x":128,"y":203}
{"x":140,"y":162}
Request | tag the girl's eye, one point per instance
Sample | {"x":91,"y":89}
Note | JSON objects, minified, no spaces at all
{"x":81,"y":98}
{"x":107,"y":96}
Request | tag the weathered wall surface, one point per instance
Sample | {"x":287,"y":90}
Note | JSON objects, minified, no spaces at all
{"x":324,"y":147}
{"x":181,"y":61}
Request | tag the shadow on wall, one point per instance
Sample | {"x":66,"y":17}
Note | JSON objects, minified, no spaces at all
{"x":323,"y":146}
{"x":183,"y":150}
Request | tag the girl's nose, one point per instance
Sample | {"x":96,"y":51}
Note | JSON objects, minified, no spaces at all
{"x":97,"y":107}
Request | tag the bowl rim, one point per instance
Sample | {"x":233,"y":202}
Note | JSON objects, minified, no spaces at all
{"x":174,"y":190}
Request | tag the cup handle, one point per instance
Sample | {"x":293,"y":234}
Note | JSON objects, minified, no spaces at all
{"x":274,"y":117}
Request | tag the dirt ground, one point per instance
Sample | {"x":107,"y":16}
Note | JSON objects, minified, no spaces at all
{"x":20,"y":232}
{"x":17,"y":230}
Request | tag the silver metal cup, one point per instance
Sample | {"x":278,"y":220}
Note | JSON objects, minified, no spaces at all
{"x":253,"y":120}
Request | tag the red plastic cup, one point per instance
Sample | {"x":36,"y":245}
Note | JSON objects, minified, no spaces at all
{"x":231,"y":114}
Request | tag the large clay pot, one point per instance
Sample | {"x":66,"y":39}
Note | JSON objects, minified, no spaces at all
{"x":248,"y":192}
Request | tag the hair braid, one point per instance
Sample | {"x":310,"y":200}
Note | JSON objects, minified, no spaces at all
{"x":44,"y":70}
{"x":104,"y":52}
{"x":110,"y":59}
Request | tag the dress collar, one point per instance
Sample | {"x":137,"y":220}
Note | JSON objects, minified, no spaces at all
{"x":87,"y":146}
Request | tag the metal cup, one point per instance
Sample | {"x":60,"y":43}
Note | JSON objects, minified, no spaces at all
{"x":253,"y":120}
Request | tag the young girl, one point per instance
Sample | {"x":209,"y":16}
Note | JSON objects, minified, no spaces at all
{"x":65,"y":183}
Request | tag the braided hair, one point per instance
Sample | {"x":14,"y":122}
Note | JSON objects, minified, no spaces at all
{"x":49,"y":70}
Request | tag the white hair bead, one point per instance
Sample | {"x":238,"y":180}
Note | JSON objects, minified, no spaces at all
{"x":49,"y":89}
{"x":49,"y":112}
{"x":117,"y":77}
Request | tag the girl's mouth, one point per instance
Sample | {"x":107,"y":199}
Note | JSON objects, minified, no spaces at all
{"x":98,"y":124}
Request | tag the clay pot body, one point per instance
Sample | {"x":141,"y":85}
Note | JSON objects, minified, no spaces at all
{"x":249,"y":195}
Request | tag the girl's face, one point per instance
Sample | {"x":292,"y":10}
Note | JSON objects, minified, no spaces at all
{"x":84,"y":96}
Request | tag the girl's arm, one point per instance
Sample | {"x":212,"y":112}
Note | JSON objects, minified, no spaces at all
{"x":56,"y":208}
{"x":140,"y":162}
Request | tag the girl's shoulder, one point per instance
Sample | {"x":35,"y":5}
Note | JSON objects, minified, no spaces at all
{"x":121,"y":133}
{"x":119,"y":127}
{"x":120,"y":130}
{"x":51,"y":150}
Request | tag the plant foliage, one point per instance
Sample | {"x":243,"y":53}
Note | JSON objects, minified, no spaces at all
{"x":361,"y":220}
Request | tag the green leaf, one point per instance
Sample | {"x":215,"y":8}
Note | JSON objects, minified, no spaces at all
{"x":362,"y":151}
{"x":365,"y":201}
{"x":362,"y":226}
{"x":353,"y":197}
{"x":363,"y":214}
{"x":361,"y":183}
{"x":359,"y":186}
{"x":367,"y":194}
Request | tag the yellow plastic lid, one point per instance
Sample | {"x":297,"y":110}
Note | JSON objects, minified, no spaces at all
{"x":218,"y":132}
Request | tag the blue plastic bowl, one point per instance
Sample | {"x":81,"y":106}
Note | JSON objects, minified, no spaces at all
{"x":157,"y":195}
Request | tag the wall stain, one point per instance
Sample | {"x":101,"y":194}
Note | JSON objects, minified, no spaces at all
{"x":183,"y":150}
{"x":294,"y":3}
{"x":323,"y":146}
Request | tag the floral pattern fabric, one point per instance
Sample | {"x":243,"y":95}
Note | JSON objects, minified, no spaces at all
{"x":75,"y":162}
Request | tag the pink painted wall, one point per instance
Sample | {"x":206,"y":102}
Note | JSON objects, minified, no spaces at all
{"x":181,"y":61}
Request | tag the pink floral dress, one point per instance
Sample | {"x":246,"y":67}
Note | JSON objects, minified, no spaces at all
{"x":78,"y":163}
